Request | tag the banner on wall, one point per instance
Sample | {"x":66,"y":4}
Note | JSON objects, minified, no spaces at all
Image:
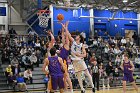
{"x":2,"y":11}
{"x":75,"y":13}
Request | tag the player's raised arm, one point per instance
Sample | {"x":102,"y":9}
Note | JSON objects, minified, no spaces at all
{"x":52,"y":39}
{"x":65,"y":26}
{"x":63,"y":36}
{"x":67,"y":42}
{"x":68,"y":33}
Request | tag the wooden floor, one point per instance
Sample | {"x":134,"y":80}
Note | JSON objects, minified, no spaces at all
{"x":109,"y":91}
{"x":118,"y":90}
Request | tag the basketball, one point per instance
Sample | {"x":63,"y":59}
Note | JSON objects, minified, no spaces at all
{"x":60,"y":17}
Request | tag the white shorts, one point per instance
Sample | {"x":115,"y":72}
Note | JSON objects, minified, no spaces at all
{"x":79,"y":65}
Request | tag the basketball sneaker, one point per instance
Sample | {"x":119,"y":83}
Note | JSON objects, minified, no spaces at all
{"x":83,"y":91}
{"x":93,"y":90}
{"x":108,"y":86}
{"x":103,"y":86}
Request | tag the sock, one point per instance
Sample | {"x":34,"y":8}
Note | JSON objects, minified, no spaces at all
{"x":108,"y":81}
{"x":103,"y":81}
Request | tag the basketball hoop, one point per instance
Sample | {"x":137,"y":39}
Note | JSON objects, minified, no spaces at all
{"x":43,"y":16}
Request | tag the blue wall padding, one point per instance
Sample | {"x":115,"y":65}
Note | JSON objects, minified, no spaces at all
{"x":122,"y":25}
{"x":83,"y":24}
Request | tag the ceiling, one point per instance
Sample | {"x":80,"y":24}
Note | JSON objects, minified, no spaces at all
{"x":27,"y":8}
{"x":114,"y":5}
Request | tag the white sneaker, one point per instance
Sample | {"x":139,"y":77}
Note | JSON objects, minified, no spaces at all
{"x":103,"y":86}
{"x":108,"y":86}
{"x":71,"y":91}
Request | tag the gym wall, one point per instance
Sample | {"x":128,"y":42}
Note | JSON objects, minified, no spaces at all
{"x":83,"y":24}
{"x":115,"y":26}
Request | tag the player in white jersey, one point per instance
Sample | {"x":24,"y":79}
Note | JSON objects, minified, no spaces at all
{"x":78,"y":53}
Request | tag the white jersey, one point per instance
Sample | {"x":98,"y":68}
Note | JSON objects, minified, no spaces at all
{"x":78,"y":62}
{"x":76,"y":48}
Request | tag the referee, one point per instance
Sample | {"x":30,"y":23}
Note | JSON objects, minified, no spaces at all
{"x":95,"y":74}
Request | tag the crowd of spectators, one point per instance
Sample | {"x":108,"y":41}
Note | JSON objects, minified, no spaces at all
{"x":111,"y":51}
{"x":22,"y":54}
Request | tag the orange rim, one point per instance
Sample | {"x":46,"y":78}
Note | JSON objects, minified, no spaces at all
{"x":43,"y":11}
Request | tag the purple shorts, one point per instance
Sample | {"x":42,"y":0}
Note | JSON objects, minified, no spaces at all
{"x":128,"y":77}
{"x":57,"y":81}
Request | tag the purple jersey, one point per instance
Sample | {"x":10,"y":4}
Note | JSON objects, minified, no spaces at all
{"x":64,"y":53}
{"x":126,"y":66}
{"x":54,"y":66}
{"x":128,"y":75}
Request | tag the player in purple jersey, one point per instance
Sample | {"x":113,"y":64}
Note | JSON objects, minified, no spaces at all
{"x":64,"y":53}
{"x":49,"y":45}
{"x":55,"y":67}
{"x":128,"y":67}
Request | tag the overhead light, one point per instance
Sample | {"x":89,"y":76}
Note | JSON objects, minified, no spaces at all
{"x":125,"y":1}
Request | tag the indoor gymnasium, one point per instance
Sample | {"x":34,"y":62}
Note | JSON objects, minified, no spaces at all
{"x":69,"y":46}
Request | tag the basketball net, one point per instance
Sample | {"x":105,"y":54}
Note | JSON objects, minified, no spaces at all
{"x":43,"y":18}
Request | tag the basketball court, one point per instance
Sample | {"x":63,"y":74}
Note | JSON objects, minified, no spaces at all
{"x":118,"y":90}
